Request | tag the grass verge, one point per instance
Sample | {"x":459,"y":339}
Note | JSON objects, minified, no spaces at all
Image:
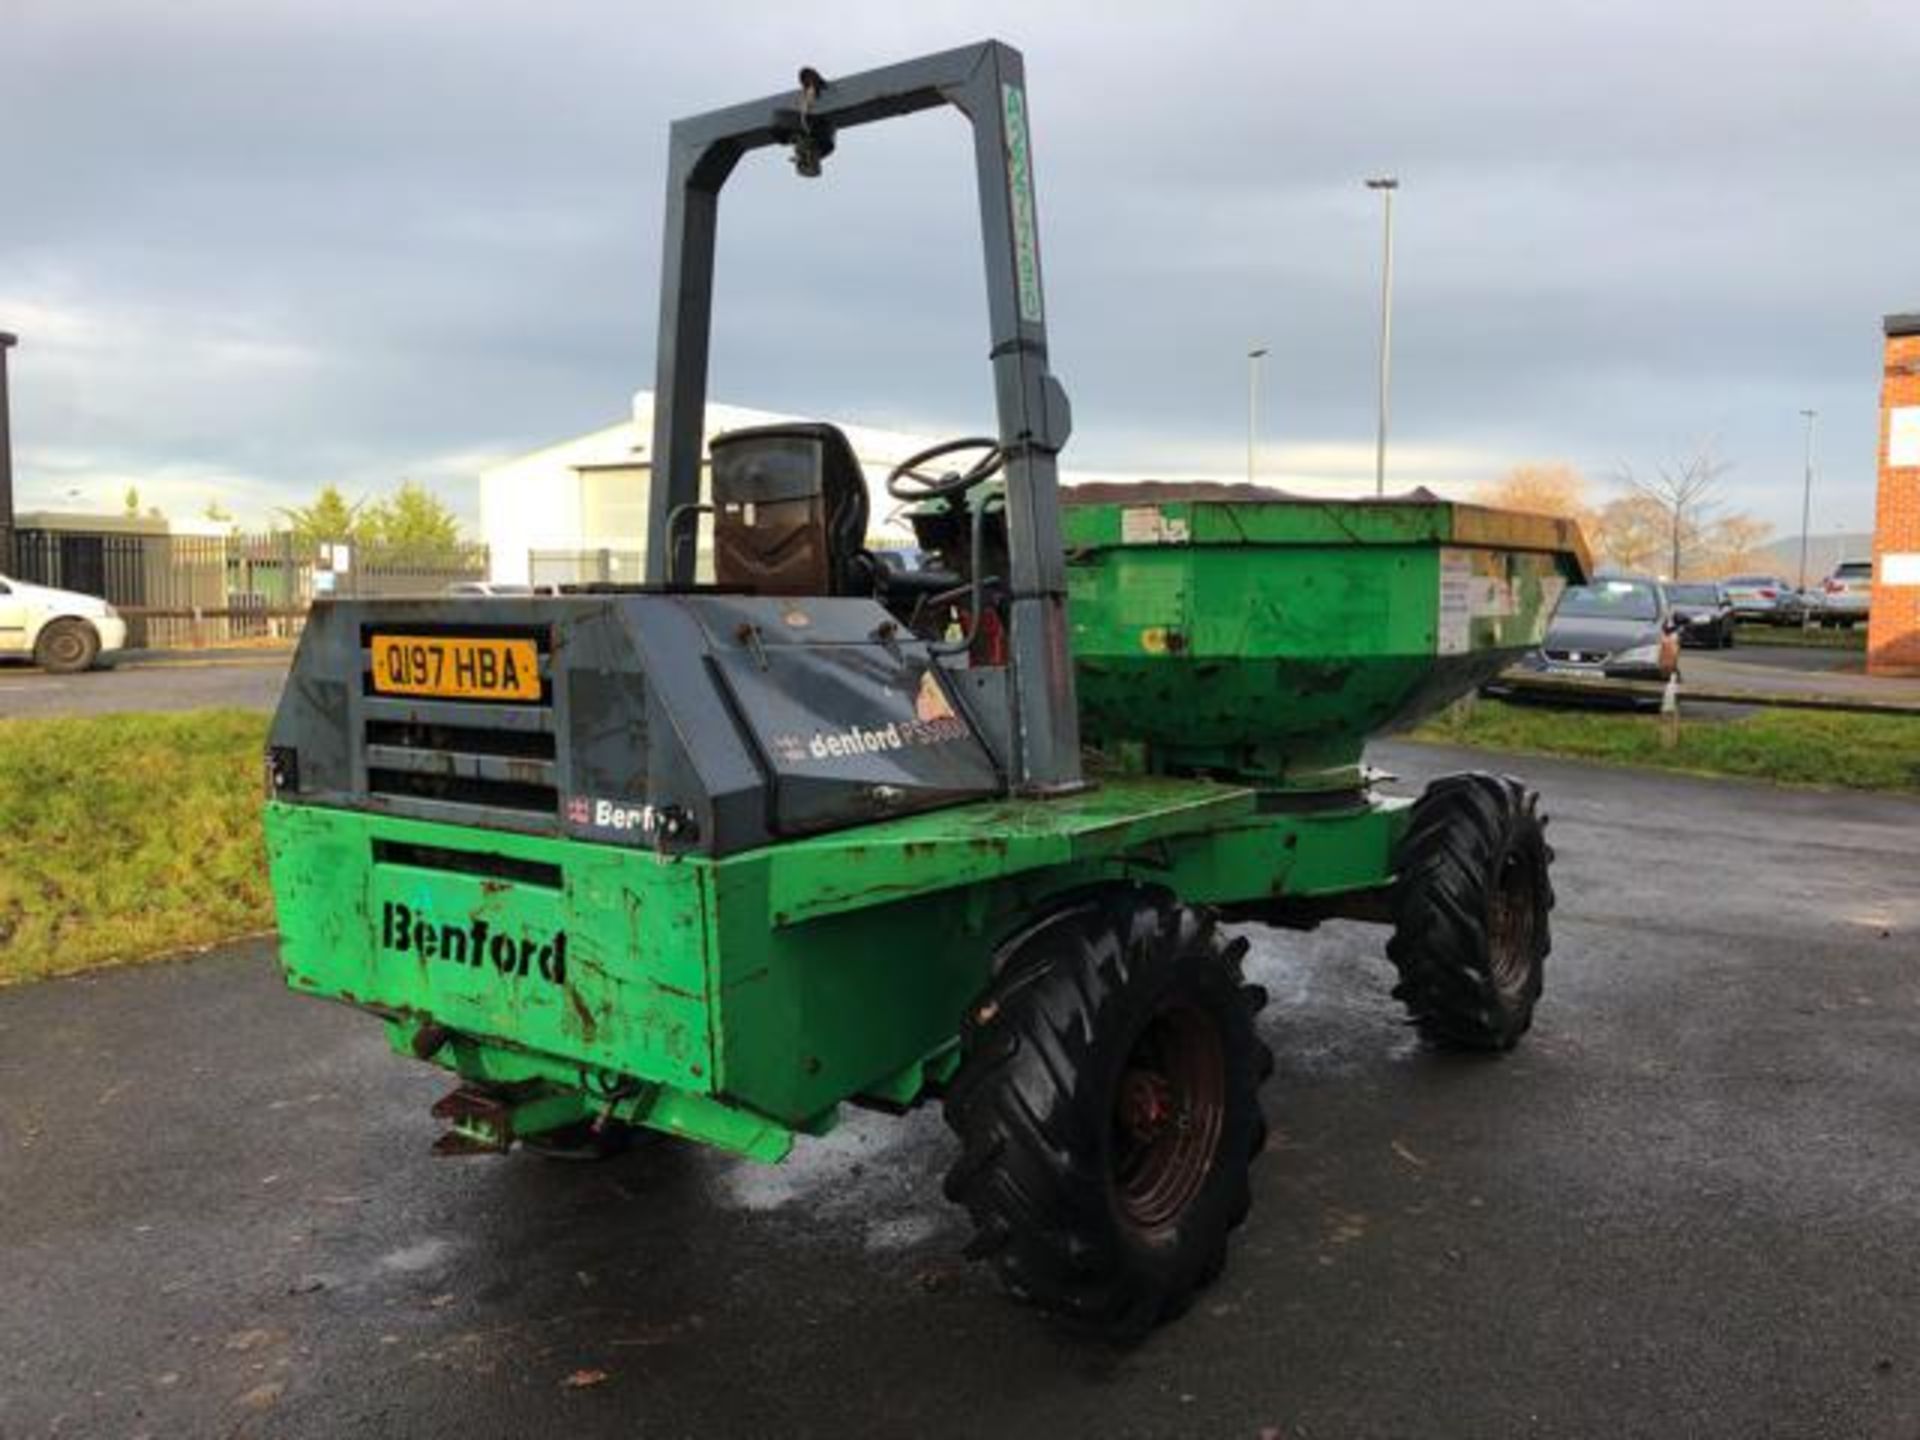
{"x":1790,"y":747}
{"x":124,"y":837}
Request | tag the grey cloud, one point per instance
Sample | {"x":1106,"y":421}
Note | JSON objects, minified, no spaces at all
{"x":1622,"y":227}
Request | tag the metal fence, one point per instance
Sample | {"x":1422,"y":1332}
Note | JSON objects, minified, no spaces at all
{"x":201,"y":589}
{"x":376,"y":574}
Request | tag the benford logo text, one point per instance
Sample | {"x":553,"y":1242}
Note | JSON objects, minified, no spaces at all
{"x":474,"y":944}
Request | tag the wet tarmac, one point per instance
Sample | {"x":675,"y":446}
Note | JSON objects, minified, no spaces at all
{"x":1686,"y":1207}
{"x":1806,"y":672}
{"x":148,"y":680}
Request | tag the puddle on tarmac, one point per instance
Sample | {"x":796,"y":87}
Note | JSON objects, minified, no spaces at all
{"x":426,"y":1254}
{"x":847,"y":1170}
{"x":902,"y":1232}
{"x":1325,"y":988}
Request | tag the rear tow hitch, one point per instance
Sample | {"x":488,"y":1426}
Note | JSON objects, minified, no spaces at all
{"x":487,"y":1119}
{"x":479,"y":1122}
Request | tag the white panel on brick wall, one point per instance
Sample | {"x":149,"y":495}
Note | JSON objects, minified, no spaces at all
{"x":1900,"y":569}
{"x":1903,"y":435}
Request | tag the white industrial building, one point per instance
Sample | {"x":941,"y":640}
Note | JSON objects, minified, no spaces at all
{"x":578,"y":510}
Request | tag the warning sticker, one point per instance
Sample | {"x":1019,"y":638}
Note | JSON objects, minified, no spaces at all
{"x":1145,"y":525}
{"x":1491,"y":598}
{"x":1454,"y":632}
{"x":1474,"y":585}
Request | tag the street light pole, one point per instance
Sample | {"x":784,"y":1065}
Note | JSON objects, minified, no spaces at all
{"x":1386,"y":185}
{"x":7,"y":342}
{"x":1806,"y":513}
{"x":1254,"y":358}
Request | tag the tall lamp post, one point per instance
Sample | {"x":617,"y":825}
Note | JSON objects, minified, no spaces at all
{"x":7,"y":342}
{"x":1806,"y":514}
{"x":1254,"y":357}
{"x":1386,"y":185}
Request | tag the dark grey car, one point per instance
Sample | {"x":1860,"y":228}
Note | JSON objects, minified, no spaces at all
{"x":1704,"y":613}
{"x":1615,"y":628}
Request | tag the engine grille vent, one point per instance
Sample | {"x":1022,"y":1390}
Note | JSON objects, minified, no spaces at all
{"x":457,"y":756}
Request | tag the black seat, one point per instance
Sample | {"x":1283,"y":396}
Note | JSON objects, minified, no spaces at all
{"x":790,"y":512}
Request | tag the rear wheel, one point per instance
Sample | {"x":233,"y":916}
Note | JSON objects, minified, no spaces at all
{"x":1470,"y":910}
{"x":67,"y":647}
{"x":1108,"y":1108}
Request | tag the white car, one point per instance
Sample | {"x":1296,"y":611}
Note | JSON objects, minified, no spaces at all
{"x":60,"y":630}
{"x":499,"y":587}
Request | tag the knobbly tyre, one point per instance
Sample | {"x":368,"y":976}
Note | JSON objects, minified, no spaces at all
{"x":717,"y":860}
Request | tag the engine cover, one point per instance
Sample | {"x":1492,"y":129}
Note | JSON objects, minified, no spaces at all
{"x":686,"y":723}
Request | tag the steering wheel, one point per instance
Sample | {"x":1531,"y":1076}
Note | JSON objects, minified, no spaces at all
{"x":906,"y":481}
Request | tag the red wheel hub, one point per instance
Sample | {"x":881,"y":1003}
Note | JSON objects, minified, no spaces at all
{"x":1146,"y":1104}
{"x":1168,"y":1114}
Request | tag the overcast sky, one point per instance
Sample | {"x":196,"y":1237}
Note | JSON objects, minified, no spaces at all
{"x":252,"y":245}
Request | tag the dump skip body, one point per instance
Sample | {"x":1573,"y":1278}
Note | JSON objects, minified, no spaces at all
{"x":1235,"y":631}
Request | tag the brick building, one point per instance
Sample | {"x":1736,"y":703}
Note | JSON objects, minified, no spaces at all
{"x":1893,"y":631}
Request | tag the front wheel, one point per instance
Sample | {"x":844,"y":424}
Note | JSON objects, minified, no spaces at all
{"x":1108,"y":1109}
{"x":66,"y":647}
{"x":1470,"y":911}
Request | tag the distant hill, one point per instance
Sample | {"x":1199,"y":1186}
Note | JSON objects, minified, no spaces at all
{"x":1823,"y":553}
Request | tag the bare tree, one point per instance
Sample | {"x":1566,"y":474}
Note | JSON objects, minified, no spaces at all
{"x":1631,"y":532}
{"x":1551,"y":487}
{"x":1737,"y":542}
{"x":1685,"y":488}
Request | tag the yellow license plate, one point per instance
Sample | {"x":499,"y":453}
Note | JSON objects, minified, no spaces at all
{"x":455,"y":667}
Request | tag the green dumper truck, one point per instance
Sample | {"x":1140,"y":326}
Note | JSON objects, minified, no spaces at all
{"x":717,"y":860}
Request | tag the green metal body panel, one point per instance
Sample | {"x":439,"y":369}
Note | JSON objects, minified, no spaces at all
{"x":1266,"y":640}
{"x":634,"y":997}
{"x":742,"y":1000}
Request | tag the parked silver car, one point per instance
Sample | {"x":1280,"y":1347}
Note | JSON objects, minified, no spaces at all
{"x":1764,"y":599}
{"x":497,"y":587}
{"x":1847,"y":596}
